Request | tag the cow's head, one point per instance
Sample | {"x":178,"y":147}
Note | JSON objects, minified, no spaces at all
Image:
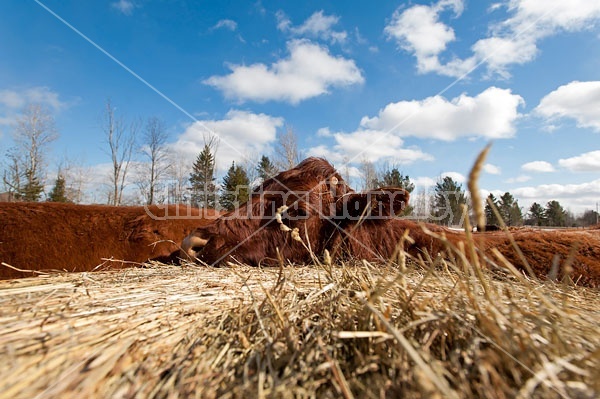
{"x":311,"y":199}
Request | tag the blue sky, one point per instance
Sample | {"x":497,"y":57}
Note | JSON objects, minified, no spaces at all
{"x":424,"y":85}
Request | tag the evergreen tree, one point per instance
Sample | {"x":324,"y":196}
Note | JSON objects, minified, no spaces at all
{"x":59,"y":192}
{"x":537,"y":215}
{"x":202,"y":180}
{"x":235,"y":188}
{"x":505,"y":205}
{"x":490,"y":215}
{"x":32,"y":190}
{"x":510,"y":210}
{"x":266,"y":169}
{"x":448,"y":200}
{"x":395,"y":178}
{"x":516,"y":215}
{"x":589,"y":218}
{"x":555,"y":214}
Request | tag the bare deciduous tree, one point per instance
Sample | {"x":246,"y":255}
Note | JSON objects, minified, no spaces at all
{"x":151,"y":173}
{"x":421,"y":204}
{"x":178,"y":174}
{"x":287,"y":152}
{"x":121,"y":142}
{"x":77,"y":178}
{"x":369,"y":174}
{"x":13,"y":177}
{"x":346,"y":169}
{"x":249,"y":163}
{"x":33,"y":133}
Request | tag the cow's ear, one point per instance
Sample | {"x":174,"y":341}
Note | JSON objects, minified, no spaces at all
{"x":382,"y":202}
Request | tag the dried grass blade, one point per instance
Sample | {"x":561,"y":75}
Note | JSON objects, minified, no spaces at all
{"x":439,"y":382}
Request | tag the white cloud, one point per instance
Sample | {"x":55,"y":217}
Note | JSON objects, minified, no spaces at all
{"x":16,"y":99}
{"x":575,"y":100}
{"x":424,"y":182}
{"x":577,"y":197}
{"x":498,"y":53}
{"x":538,"y":167}
{"x":551,"y":15}
{"x":348,"y":170}
{"x":309,"y":71}
{"x":12,"y":101}
{"x":588,"y":162}
{"x":518,"y":179}
{"x":457,"y":177}
{"x":492,"y":169}
{"x":390,"y":147}
{"x":490,"y":114}
{"x":324,"y":132}
{"x":512,"y":41}
{"x":242,"y":135}
{"x":126,"y":7}
{"x":358,"y":145}
{"x":317,"y":26}
{"x":418,"y":30}
{"x":226,"y":24}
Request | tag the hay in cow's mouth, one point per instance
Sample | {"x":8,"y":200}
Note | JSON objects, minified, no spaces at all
{"x":433,"y":328}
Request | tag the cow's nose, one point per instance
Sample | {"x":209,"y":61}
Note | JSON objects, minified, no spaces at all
{"x":191,"y":246}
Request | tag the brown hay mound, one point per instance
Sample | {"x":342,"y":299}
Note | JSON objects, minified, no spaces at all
{"x":319,"y":331}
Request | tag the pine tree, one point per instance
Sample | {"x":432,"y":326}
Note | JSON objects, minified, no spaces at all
{"x":510,"y":210}
{"x":555,"y":214}
{"x":516,"y":214}
{"x":395,"y":178}
{"x":504,"y":205}
{"x":59,"y":192}
{"x":266,"y":169}
{"x":537,"y":215}
{"x":448,"y":201}
{"x":32,"y":190}
{"x":490,"y":215}
{"x":235,"y":188}
{"x":202,"y":180}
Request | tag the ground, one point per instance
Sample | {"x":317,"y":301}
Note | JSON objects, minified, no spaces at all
{"x":364,"y":330}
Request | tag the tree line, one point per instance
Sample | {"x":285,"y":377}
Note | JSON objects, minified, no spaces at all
{"x":139,"y":154}
{"x":236,"y":184}
{"x":138,"y":151}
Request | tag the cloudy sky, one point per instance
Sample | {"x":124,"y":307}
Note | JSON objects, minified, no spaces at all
{"x":423,"y":85}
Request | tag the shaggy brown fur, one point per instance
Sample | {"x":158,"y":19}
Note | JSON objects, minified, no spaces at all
{"x":44,"y":236}
{"x":330,"y":215}
{"x":251,"y":234}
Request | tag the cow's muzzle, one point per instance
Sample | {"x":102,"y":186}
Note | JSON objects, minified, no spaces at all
{"x":191,"y":246}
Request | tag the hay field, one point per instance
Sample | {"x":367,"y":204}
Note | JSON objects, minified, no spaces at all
{"x":413,"y":329}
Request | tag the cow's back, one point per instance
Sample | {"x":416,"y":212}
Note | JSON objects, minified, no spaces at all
{"x":53,"y":236}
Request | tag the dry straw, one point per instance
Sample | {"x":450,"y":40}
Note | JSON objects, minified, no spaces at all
{"x":352,"y":331}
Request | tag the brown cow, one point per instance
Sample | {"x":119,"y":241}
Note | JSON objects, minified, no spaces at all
{"x":52,"y":236}
{"x":313,"y":202}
